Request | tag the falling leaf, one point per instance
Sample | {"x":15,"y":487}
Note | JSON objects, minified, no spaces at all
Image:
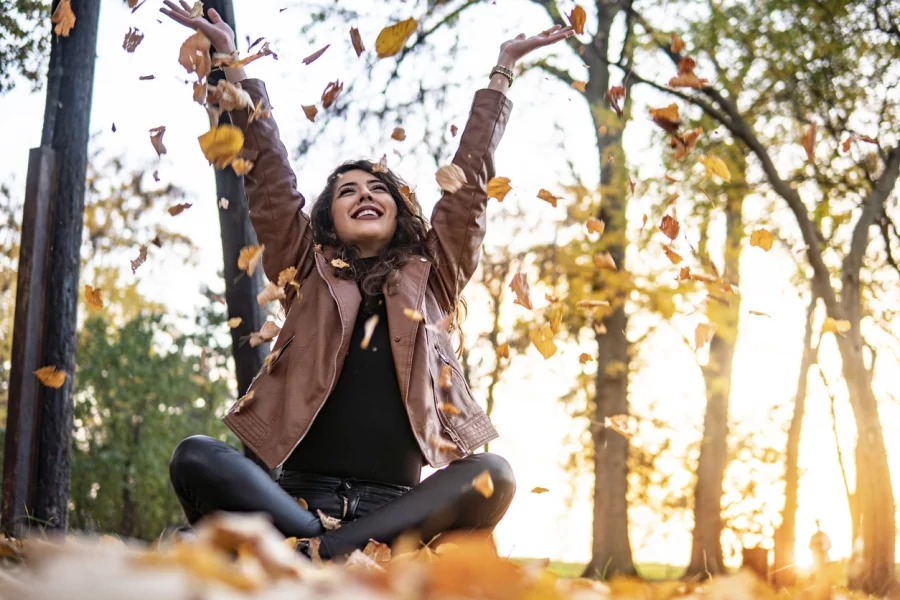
{"x":268,"y":332}
{"x":591,"y":304}
{"x":614,"y":96}
{"x":677,"y":44}
{"x":547,"y":197}
{"x":759,"y":313}
{"x":445,"y":377}
{"x":845,"y":147}
{"x":440,"y":443}
{"x":667,"y":117}
{"x":703,"y":334}
{"x":249,"y":257}
{"x":264,"y":51}
{"x":92,"y":297}
{"x":271,"y":359}
{"x":64,"y":18}
{"x":142,"y":256}
{"x":398,"y":134}
{"x":409,"y":199}
{"x":51,"y":377}
{"x":502,"y":350}
{"x":179,"y":208}
{"x":595,"y":226}
{"x":555,"y":317}
{"x":453,"y":130}
{"x":619,"y":424}
{"x":356,"y":40}
{"x":686,"y":76}
{"x":234,"y":322}
{"x":368,"y":330}
{"x":669,"y":226}
{"x":329,"y":523}
{"x":604,"y":260}
{"x":577,"y":18}
{"x":762,"y":238}
{"x":539,"y":490}
{"x":381,"y":165}
{"x":519,"y":286}
{"x":579,"y":85}
{"x":498,"y":187}
{"x":836,"y":326}
{"x":310,"y":112}
{"x":194,"y":55}
{"x":585,"y":358}
{"x":229,"y":96}
{"x":715,"y":166}
{"x":309,"y":59}
{"x":223,"y":203}
{"x":156,"y":138}
{"x":287,"y":276}
{"x":196,"y":10}
{"x":484,"y":484}
{"x":542,"y":338}
{"x":672,"y":255}
{"x":682,"y":145}
{"x":339,"y":263}
{"x":448,"y":409}
{"x":220,"y":145}
{"x":451,"y":178}
{"x":201,"y":93}
{"x":413,"y":314}
{"x":302,"y":502}
{"x":644,"y":219}
{"x":270,"y":293}
{"x":132,"y":39}
{"x":241,"y":166}
{"x":331,"y":92}
{"x":809,"y":143}
{"x":392,"y":39}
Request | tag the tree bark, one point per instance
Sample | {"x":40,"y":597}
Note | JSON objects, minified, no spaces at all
{"x":72,"y":77}
{"x":784,"y":570}
{"x":706,"y":545}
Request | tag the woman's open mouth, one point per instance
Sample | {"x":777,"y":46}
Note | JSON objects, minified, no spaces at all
{"x":366,"y":213}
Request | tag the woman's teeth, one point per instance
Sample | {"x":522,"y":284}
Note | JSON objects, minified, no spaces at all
{"x":365,"y":214}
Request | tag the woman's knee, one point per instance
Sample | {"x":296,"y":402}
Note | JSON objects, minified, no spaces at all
{"x":500,"y":470}
{"x":193,"y":457}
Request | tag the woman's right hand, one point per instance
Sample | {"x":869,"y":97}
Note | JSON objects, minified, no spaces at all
{"x":216,"y":30}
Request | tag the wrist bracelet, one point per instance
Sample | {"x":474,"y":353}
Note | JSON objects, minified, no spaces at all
{"x":505,"y":72}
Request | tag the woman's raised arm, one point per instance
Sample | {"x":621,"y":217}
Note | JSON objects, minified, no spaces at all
{"x":276,"y":207}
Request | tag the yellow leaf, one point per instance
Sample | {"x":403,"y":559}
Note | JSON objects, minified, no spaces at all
{"x":220,"y":145}
{"x":502,"y":350}
{"x":398,"y":134}
{"x":762,"y":238}
{"x":451,"y":178}
{"x":672,"y":255}
{"x":547,"y":197}
{"x":448,"y":409}
{"x":703,"y":334}
{"x":339,"y":263}
{"x":591,"y":304}
{"x":542,"y":338}
{"x":369,"y":329}
{"x":556,"y":315}
{"x":716,"y":166}
{"x":595,"y":226}
{"x":241,"y":166}
{"x":577,"y":18}
{"x":51,"y":377}
{"x":234,"y":322}
{"x":445,"y":378}
{"x":356,"y":40}
{"x":539,"y":490}
{"x":484,"y":484}
{"x":392,"y":38}
{"x":837,"y":326}
{"x":498,"y":187}
{"x":579,"y":85}
{"x":413,"y":314}
{"x":64,"y":18}
{"x":249,"y":257}
{"x":156,"y":138}
{"x":619,"y":424}
{"x":287,"y":276}
{"x":92,"y":296}
{"x":194,"y":55}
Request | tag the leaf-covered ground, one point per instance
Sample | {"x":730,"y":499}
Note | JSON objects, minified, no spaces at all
{"x":237,"y":557}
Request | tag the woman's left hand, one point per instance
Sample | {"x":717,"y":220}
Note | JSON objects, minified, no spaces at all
{"x":513,"y":50}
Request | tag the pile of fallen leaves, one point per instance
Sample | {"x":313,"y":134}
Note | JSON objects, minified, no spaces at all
{"x":241,"y":556}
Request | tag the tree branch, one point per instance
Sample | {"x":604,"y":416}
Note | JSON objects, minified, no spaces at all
{"x":555,"y":71}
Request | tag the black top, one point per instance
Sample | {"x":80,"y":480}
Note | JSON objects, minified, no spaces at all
{"x":363,"y":431}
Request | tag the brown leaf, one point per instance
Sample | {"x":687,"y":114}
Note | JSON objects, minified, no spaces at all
{"x":331,"y":92}
{"x":686,"y":76}
{"x":585,"y":358}
{"x":604,"y":260}
{"x":267,"y":333}
{"x":270,"y":293}
{"x":413,"y":314}
{"x":310,"y":112}
{"x":759,"y":313}
{"x":484,"y":484}
{"x":577,"y":18}
{"x":309,"y":59}
{"x":809,"y":143}
{"x":595,"y":226}
{"x":92,"y":297}
{"x":381,"y":165}
{"x":229,"y":96}
{"x":64,"y":18}
{"x":445,"y":378}
{"x":542,"y":338}
{"x":201,"y":93}
{"x":672,"y":255}
{"x":591,"y":304}
{"x":682,"y":145}
{"x":498,"y":187}
{"x":619,"y":424}
{"x":614,"y":96}
{"x":519,"y":286}
{"x":502,"y":350}
{"x":677,"y":44}
{"x":51,"y":377}
{"x":368,"y":330}
{"x":398,"y":134}
{"x":357,"y":42}
{"x":579,"y":85}
{"x":264,"y":51}
{"x":451,"y":178}
{"x":249,"y":257}
{"x":132,"y":39}
{"x":453,"y":130}
{"x":448,"y":409}
{"x":703,"y":334}
{"x":179,"y":208}
{"x":142,"y":256}
{"x":194,"y":55}
{"x":302,"y":502}
{"x":547,"y":197}
{"x":156,"y":138}
{"x":667,"y":118}
{"x":669,"y":226}
{"x":271,"y":359}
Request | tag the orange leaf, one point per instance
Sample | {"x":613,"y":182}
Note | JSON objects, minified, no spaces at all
{"x":398,"y":134}
{"x":249,"y":257}
{"x":287,"y":276}
{"x":604,"y":260}
{"x":179,"y":208}
{"x":498,"y":187}
{"x":614,"y":96}
{"x":595,"y":226}
{"x":310,"y":112}
{"x":667,"y":117}
{"x":484,"y":484}
{"x":585,"y":358}
{"x":331,"y":92}
{"x":547,"y":197}
{"x":447,"y":408}
{"x":762,"y":238}
{"x":519,"y":286}
{"x":809,"y":143}
{"x":677,"y":44}
{"x":703,"y":334}
{"x":619,"y":424}
{"x":539,"y":490}
{"x":413,"y":314}
{"x":194,"y":55}
{"x":234,"y":322}
{"x":672,"y":255}
{"x":64,"y":18}
{"x":267,"y":333}
{"x":579,"y":85}
{"x":356,"y":40}
{"x":241,"y":166}
{"x":51,"y":377}
{"x":445,"y":378}
{"x":577,"y":18}
{"x":270,"y":293}
{"x":92,"y":296}
{"x":246,"y":400}
{"x":369,"y":328}
{"x":669,"y":226}
{"x":502,"y":350}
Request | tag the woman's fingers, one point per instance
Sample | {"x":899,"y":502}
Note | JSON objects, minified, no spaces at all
{"x":185,"y":6}
{"x":176,"y":17}
{"x":214,"y":16}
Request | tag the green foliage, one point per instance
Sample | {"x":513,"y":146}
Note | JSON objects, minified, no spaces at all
{"x":24,"y":41}
{"x":141,"y":389}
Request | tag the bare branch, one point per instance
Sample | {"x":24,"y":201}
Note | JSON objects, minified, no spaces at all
{"x":553,"y":70}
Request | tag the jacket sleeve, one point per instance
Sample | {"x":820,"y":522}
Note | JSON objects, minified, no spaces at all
{"x":276,"y":207}
{"x":458,"y":220}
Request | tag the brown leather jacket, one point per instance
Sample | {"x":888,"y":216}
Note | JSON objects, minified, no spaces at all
{"x":316,"y":333}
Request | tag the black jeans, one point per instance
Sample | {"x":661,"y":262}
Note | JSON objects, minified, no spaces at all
{"x":209,"y":475}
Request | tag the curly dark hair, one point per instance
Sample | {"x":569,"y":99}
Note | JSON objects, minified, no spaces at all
{"x":408,"y":240}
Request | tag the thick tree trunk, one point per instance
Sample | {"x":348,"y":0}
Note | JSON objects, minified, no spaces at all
{"x":706,"y":545}
{"x":784,"y":570}
{"x":67,"y":128}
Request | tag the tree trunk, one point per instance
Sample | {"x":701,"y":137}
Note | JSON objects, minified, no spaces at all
{"x":706,"y":545}
{"x":784,"y":570}
{"x":67,"y":128}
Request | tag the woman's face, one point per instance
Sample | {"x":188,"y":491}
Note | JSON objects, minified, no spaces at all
{"x":364,"y":213}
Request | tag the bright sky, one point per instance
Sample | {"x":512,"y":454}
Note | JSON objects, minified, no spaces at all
{"x":534,"y":425}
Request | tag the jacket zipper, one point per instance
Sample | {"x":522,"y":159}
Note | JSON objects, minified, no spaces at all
{"x":333,"y":372}
{"x":447,"y":428}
